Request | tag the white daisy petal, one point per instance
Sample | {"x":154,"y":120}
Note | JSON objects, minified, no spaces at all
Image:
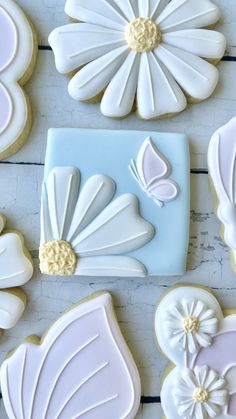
{"x":119,"y":266}
{"x":100,"y":11}
{"x":93,"y":198}
{"x":95,"y":76}
{"x":188,"y":14}
{"x":118,"y":98}
{"x":88,"y":43}
{"x":196,"y":76}
{"x":129,"y":8}
{"x":104,"y":235}
{"x":158,"y":93}
{"x":201,"y":42}
{"x":151,"y":8}
{"x":45,"y":222}
{"x":20,"y":269}
{"x":62,"y":190}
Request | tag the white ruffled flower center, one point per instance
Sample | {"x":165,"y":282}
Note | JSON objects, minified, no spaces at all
{"x":57,"y":258}
{"x":142,"y":35}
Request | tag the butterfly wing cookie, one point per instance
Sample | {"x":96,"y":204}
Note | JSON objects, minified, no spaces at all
{"x":17,"y":59}
{"x":81,"y":368}
{"x":151,"y":170}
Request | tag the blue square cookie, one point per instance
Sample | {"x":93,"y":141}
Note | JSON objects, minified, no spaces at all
{"x":153,"y":167}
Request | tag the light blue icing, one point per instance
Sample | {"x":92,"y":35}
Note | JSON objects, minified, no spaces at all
{"x":109,"y":153}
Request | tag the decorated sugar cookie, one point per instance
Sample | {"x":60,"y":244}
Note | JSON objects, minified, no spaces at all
{"x":149,"y":54}
{"x":222,"y":172}
{"x":18,"y":48}
{"x":112,"y":202}
{"x":199,"y":340}
{"x":81,"y":368}
{"x":15,"y":270}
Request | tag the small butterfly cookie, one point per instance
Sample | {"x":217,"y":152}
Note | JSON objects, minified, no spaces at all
{"x":151,"y":171}
{"x":15,"y":270}
{"x":18,"y":49}
{"x":81,"y":368}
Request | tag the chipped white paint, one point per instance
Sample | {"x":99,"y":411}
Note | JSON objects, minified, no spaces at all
{"x":20,"y":187}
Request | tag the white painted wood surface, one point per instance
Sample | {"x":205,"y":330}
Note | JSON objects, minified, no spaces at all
{"x":20,"y":185}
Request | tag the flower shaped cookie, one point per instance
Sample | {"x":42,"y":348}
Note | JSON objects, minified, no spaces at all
{"x":148,"y":52}
{"x":81,"y":232}
{"x":200,"y":384}
{"x":18,"y":50}
{"x":15,"y":269}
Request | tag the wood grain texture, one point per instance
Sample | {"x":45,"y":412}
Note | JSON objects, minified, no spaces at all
{"x":20,"y":187}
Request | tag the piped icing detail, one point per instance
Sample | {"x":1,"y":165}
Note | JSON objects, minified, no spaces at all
{"x":202,"y":383}
{"x":81,"y":229}
{"x":149,"y":55}
{"x":15,"y":270}
{"x":151,"y":170}
{"x":17,"y":55}
{"x":222,"y":170}
{"x":39,"y":378}
{"x":142,"y":35}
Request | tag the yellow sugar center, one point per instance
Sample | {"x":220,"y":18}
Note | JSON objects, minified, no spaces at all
{"x":191,"y":324}
{"x":57,"y":258}
{"x":142,"y":35}
{"x":200,"y":395}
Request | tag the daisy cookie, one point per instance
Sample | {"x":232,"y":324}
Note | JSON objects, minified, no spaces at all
{"x":81,"y":368}
{"x":222,"y":172}
{"x":18,"y":48}
{"x":199,"y":340}
{"x":15,"y":270}
{"x":111,"y":200}
{"x":152,"y":55}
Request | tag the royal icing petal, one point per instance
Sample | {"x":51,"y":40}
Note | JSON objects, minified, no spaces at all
{"x":17,"y":46}
{"x":39,"y":378}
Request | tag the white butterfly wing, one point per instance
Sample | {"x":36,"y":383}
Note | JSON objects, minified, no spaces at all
{"x":151,"y":165}
{"x":164,"y":190}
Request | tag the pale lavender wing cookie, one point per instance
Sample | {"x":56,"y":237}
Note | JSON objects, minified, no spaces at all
{"x":81,"y":368}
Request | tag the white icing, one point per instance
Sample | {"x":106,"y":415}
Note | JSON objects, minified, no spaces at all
{"x":200,"y":393}
{"x":15,"y":270}
{"x":221,"y":163}
{"x":91,"y":223}
{"x":11,"y":309}
{"x":178,"y":389}
{"x":190,"y":325}
{"x":100,"y":44}
{"x":10,"y":74}
{"x":151,"y":171}
{"x":40,"y":380}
